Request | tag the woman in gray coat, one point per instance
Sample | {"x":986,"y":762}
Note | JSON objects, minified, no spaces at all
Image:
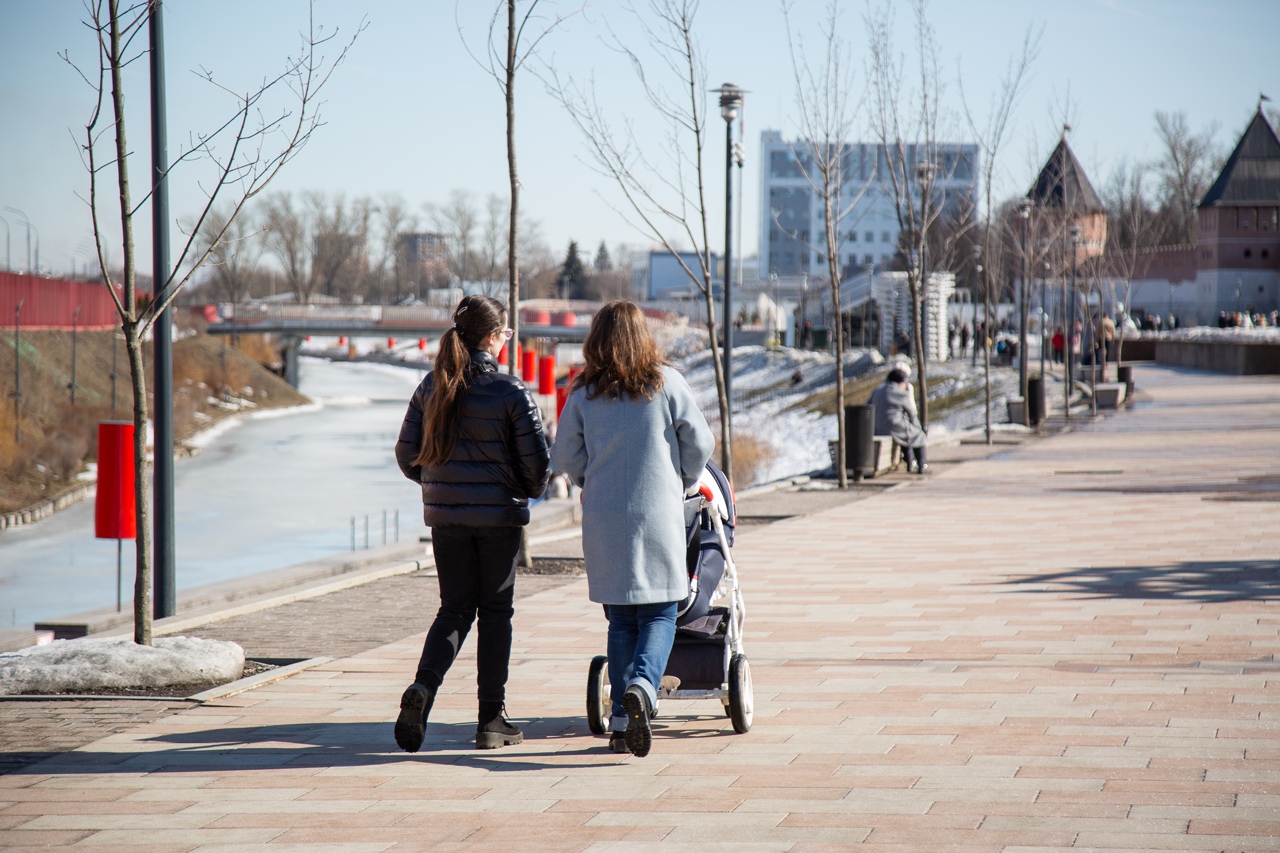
{"x":896,"y":417}
{"x":632,"y":436}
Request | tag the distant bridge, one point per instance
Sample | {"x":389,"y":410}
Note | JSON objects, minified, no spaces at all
{"x":294,"y":323}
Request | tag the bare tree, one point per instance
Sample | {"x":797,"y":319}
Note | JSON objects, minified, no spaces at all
{"x":236,"y":249}
{"x":1186,"y":169}
{"x":512,"y":39}
{"x":826,"y":123}
{"x":1133,"y":225}
{"x":340,"y":244}
{"x":664,"y":199}
{"x":289,"y":238}
{"x":992,"y":136}
{"x":244,"y":153}
{"x":394,"y":220}
{"x":493,"y":239}
{"x":906,"y":124}
{"x":457,"y":220}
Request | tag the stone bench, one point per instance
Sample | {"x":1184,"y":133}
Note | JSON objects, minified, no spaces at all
{"x":1109,"y":395}
{"x":885,"y":455}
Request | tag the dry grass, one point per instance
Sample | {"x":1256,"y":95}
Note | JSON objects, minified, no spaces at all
{"x":856,"y":392}
{"x":59,"y":438}
{"x":752,"y":457}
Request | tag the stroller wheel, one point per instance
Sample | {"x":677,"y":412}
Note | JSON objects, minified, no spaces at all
{"x":597,"y":696}
{"x":741,"y":701}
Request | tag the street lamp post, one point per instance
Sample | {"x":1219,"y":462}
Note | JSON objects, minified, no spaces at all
{"x":1044,"y":313}
{"x":730,"y":105}
{"x":977,"y":280}
{"x":1024,"y":296}
{"x":924,"y":176}
{"x":27,"y":223}
{"x":75,"y":322}
{"x":1070,"y":321}
{"x":17,"y":373}
{"x":8,"y":258}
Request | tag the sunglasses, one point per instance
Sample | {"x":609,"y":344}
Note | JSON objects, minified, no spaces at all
{"x":507,"y":333}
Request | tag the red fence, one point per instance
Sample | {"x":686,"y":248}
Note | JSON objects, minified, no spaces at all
{"x":50,"y":303}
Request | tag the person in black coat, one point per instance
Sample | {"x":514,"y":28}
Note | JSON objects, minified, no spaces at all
{"x":473,"y":439}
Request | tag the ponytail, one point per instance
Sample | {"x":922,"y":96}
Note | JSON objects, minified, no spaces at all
{"x":476,"y":318}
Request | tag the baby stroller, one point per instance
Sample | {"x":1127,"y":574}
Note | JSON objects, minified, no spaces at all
{"x":707,"y":659}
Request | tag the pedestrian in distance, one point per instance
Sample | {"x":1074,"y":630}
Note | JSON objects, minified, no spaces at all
{"x":473,"y":439}
{"x":895,"y":416}
{"x":632,"y":436}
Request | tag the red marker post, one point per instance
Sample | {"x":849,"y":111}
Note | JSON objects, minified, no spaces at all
{"x":115,"y":511}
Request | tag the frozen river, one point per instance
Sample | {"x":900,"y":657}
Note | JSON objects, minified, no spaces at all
{"x":269,"y":493}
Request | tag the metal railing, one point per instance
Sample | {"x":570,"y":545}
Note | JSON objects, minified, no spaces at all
{"x":394,"y":517}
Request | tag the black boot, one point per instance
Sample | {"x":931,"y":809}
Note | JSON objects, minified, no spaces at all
{"x":411,"y":726}
{"x":494,"y":730}
{"x":638,"y":736}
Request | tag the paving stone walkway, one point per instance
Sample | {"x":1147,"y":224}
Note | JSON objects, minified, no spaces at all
{"x":1069,"y":644}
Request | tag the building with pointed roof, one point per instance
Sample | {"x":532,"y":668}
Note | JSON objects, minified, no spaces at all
{"x":1065,"y":197}
{"x":1235,"y":263}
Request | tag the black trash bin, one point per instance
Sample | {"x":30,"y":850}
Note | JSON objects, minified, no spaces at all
{"x":1124,"y":373}
{"x":859,"y":430}
{"x":1035,"y":400}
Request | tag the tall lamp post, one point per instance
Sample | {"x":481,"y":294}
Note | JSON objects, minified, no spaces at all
{"x":924,"y":177}
{"x":977,"y":281}
{"x":1024,"y":296}
{"x":17,"y":373}
{"x":1044,"y":313}
{"x":164,"y":548}
{"x":1070,"y":320}
{"x":27,"y":222}
{"x":730,"y":105}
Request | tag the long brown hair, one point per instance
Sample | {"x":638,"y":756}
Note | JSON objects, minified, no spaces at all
{"x":621,"y":355}
{"x":476,"y":318}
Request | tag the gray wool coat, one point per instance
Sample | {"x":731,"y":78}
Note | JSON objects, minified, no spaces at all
{"x":634,"y":458}
{"x":896,"y":415}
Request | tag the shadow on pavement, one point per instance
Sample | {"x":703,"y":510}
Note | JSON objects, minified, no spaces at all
{"x":305,"y":745}
{"x":1201,"y":581}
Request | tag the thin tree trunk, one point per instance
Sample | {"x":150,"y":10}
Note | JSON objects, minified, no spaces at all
{"x":142,"y":478}
{"x":133,"y":344}
{"x":833,"y":273}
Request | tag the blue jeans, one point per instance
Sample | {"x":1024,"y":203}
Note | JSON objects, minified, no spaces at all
{"x":640,"y":638}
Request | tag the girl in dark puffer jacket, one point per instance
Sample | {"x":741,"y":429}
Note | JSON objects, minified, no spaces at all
{"x":473,"y":439}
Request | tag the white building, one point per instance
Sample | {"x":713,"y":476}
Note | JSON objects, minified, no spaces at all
{"x":791,"y":214}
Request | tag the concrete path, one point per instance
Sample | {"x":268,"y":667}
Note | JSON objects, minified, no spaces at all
{"x":1069,"y":644}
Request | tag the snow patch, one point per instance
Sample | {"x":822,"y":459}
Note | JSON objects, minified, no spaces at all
{"x":89,"y":664}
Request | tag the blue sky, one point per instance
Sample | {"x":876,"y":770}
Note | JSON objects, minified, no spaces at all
{"x":410,"y":112}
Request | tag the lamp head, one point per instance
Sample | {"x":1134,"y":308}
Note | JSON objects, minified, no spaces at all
{"x":1024,"y":208}
{"x":730,"y":100}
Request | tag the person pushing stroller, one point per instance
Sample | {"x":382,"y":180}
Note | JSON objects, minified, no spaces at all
{"x":632,"y":436}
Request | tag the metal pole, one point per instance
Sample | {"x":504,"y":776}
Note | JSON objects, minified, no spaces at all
{"x":162,"y":344}
{"x":17,"y":373}
{"x":1044,"y":320}
{"x":728,"y":276}
{"x":1024,"y":294}
{"x":27,"y":223}
{"x":119,"y":576}
{"x":353,"y":533}
{"x":397,"y":525}
{"x":366,"y":531}
{"x":115,"y":355}
{"x":75,"y":320}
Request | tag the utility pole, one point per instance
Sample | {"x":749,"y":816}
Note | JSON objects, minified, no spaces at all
{"x":162,"y":345}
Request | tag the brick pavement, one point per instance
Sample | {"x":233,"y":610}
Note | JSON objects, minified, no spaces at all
{"x":1067,"y":645}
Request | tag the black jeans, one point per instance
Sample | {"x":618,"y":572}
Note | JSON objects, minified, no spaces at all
{"x":476,"y":567}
